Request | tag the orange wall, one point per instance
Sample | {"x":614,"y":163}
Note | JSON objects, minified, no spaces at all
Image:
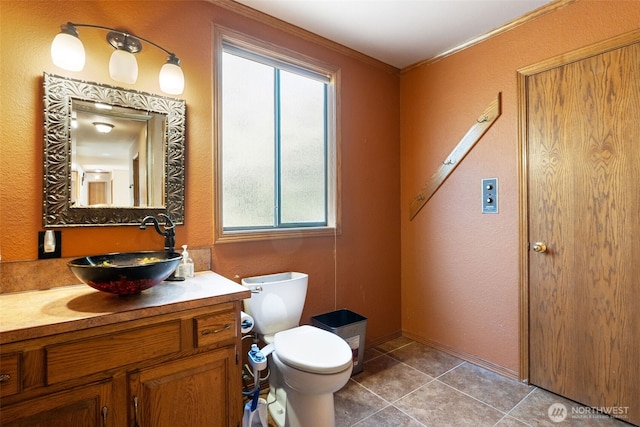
{"x":459,"y":267}
{"x":359,"y":269}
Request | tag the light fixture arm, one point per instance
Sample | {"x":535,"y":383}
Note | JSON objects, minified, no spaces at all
{"x":70,"y":28}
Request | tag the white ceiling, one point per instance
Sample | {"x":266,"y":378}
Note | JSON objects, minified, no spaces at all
{"x":398,"y":32}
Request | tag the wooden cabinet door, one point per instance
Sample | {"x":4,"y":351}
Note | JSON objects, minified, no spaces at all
{"x":87,"y":406}
{"x":190,"y":392}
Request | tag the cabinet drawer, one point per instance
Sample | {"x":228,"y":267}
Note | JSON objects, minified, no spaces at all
{"x":213,"y":328}
{"x":79,"y":358}
{"x":9,"y":374}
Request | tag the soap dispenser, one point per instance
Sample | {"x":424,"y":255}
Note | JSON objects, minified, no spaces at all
{"x":185,"y":268}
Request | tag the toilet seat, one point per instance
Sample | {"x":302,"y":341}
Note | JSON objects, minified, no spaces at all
{"x":313,"y":350}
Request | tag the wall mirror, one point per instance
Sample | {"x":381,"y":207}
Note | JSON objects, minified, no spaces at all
{"x":111,"y":155}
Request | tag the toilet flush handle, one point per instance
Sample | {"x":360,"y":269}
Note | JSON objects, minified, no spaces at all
{"x":256,"y":290}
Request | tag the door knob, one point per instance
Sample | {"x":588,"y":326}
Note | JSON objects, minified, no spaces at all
{"x":539,"y":247}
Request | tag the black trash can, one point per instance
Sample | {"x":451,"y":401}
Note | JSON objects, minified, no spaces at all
{"x":350,"y":326}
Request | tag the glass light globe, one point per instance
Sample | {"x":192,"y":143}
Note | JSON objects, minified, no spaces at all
{"x":67,"y":52}
{"x":171,"y":79}
{"x":123,"y":67}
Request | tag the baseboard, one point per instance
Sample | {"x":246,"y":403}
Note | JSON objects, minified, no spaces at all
{"x":501,"y":370}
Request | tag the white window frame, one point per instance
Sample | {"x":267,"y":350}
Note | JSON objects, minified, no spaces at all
{"x":225,"y":36}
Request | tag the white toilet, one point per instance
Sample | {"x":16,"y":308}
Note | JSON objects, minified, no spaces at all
{"x":307,"y":364}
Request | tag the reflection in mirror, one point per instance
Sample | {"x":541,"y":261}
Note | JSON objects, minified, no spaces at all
{"x":117,"y":156}
{"x":113,"y":165}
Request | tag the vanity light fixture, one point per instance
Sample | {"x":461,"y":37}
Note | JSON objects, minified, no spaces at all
{"x":67,"y":52}
{"x":103,"y":127}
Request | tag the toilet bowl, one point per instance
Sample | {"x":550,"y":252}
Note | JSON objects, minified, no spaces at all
{"x":307,"y":364}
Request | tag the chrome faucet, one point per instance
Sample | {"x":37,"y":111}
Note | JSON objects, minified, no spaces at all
{"x":169,"y":231}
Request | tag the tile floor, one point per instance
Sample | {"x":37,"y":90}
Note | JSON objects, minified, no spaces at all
{"x":405,"y":383}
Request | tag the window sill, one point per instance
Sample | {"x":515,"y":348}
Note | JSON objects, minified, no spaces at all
{"x":285,"y":233}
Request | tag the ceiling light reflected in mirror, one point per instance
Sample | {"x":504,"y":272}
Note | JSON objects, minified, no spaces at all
{"x":103,"y":127}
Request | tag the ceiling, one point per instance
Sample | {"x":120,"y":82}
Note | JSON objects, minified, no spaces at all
{"x":398,"y":32}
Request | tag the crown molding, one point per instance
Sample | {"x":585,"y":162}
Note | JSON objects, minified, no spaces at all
{"x":543,"y":10}
{"x":281,"y":25}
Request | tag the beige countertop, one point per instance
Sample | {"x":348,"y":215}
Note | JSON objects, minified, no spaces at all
{"x":34,"y":314}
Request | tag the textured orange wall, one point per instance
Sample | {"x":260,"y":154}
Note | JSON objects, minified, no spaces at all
{"x":359,"y":269}
{"x":460,"y":267}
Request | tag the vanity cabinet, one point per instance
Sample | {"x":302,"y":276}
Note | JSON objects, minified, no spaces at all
{"x":171,"y":365}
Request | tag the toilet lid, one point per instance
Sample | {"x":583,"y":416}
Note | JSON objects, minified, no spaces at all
{"x":313,"y":350}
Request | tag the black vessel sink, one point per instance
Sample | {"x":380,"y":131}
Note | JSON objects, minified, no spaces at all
{"x":125,"y":273}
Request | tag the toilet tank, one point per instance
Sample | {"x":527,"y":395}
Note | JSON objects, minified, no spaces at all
{"x":276,"y":301}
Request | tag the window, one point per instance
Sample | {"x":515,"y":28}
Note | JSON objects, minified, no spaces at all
{"x":276,"y":152}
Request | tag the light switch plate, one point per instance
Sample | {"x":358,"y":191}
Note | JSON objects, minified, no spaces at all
{"x":490,"y":196}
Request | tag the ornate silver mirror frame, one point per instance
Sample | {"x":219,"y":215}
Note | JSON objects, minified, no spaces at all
{"x":58,"y":211}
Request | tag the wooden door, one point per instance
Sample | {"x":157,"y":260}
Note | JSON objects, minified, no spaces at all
{"x":136,"y":181}
{"x":191,"y":392}
{"x":88,"y":406}
{"x":97,"y":193}
{"x":583,"y":161}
